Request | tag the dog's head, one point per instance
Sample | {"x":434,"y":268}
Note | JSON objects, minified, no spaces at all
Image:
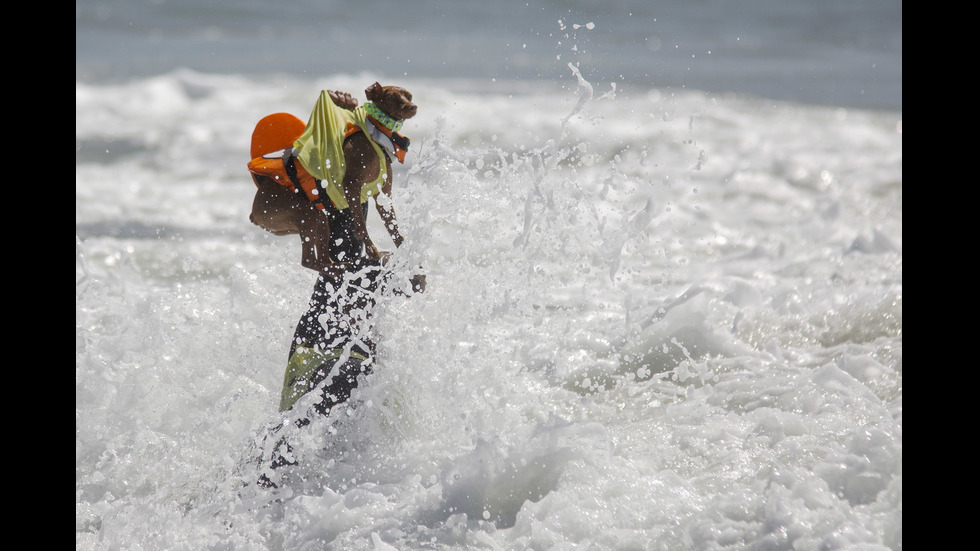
{"x":393,"y":100}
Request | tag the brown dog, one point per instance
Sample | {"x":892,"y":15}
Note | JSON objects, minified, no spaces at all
{"x":283,"y":211}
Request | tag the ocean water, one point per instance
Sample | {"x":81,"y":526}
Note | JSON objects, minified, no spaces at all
{"x":663,"y":247}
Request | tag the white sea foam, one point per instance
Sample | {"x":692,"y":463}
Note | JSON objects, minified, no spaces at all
{"x":654,"y":320}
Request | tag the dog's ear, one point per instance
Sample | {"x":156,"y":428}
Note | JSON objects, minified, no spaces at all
{"x":373,"y":92}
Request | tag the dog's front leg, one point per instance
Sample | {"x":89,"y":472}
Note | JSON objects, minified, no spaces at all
{"x":386,"y":210}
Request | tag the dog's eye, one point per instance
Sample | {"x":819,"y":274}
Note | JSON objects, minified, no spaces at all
{"x":408,"y":97}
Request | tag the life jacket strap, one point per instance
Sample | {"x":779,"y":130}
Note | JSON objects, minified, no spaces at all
{"x":289,"y":163}
{"x":393,"y":143}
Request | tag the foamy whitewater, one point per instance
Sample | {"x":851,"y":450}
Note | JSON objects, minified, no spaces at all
{"x":656,"y":319}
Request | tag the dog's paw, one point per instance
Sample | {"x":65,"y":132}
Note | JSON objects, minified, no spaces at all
{"x":342,"y":99}
{"x":418,"y":283}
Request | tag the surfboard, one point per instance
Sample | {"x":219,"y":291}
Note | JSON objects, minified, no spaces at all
{"x":274,"y":132}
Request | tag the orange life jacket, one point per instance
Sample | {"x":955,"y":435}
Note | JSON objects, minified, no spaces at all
{"x":281,"y":166}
